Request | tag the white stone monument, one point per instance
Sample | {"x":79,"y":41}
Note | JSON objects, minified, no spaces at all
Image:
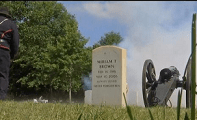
{"x":88,"y":97}
{"x":109,"y":76}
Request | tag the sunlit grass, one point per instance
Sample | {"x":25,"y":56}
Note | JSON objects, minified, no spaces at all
{"x":11,"y":110}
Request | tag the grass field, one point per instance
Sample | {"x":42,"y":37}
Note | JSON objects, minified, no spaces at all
{"x":12,"y":110}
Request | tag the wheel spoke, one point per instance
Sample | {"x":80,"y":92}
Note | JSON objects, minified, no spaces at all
{"x":151,"y":73}
{"x":148,"y":77}
{"x":148,"y":85}
{"x":148,"y":90}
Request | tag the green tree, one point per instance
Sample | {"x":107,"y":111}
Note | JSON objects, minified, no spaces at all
{"x":110,"y":38}
{"x":52,"y":52}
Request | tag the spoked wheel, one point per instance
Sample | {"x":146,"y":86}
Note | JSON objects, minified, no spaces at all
{"x":188,"y":85}
{"x":148,"y":79}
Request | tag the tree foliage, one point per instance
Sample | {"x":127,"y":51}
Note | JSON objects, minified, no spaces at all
{"x":110,"y":38}
{"x":52,"y":50}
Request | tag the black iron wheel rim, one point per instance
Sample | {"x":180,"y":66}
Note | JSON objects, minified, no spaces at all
{"x":148,"y":78}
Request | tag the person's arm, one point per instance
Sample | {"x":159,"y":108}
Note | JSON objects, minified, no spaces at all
{"x":14,"y":43}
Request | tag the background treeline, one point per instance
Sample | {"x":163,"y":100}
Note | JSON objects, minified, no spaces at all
{"x":52,"y":54}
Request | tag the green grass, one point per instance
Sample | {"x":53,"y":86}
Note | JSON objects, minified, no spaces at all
{"x":11,"y":110}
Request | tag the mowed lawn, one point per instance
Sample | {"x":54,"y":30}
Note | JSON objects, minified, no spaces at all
{"x":12,"y":110}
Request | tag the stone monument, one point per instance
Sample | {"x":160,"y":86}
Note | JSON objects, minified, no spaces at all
{"x":109,"y":75}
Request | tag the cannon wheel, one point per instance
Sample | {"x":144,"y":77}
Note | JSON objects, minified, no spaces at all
{"x":188,"y":85}
{"x":148,"y":78}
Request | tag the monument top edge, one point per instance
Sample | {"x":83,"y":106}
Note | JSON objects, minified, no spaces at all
{"x":108,"y":46}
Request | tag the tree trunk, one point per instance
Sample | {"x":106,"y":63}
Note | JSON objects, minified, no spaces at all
{"x":51,"y":92}
{"x":70,"y":92}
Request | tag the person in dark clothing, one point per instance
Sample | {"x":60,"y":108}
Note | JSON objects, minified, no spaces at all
{"x":9,"y":44}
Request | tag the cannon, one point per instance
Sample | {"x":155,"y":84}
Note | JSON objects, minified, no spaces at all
{"x":158,"y":91}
